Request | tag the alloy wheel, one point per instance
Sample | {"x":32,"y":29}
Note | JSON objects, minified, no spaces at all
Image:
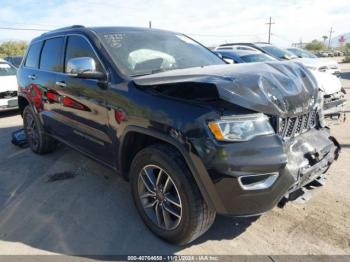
{"x":159,"y":196}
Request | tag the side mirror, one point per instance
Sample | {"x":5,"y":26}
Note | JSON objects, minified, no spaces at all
{"x":84,"y":67}
{"x":228,"y":60}
{"x":219,"y":55}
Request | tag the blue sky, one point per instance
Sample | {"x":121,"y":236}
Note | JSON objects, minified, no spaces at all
{"x":207,"y":20}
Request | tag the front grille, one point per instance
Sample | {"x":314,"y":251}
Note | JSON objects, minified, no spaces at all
{"x":8,"y":94}
{"x":293,"y":126}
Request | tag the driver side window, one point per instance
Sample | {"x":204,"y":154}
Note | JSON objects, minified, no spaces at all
{"x":78,"y":46}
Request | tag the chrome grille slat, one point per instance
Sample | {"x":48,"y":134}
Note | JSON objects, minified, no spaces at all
{"x":293,"y":126}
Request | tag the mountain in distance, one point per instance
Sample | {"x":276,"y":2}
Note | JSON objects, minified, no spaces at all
{"x":335,"y":40}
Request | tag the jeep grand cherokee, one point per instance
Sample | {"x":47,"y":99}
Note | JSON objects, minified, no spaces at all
{"x":194,"y":135}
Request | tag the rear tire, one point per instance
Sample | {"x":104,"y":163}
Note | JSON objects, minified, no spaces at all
{"x":38,"y":140}
{"x":167,"y":196}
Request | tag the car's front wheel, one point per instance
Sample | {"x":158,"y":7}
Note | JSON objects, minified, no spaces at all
{"x":167,"y":196}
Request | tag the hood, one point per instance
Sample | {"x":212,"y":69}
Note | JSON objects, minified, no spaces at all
{"x":8,"y":83}
{"x":328,"y":83}
{"x":274,"y":88}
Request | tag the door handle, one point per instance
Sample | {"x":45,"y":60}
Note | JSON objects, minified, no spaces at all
{"x":61,"y":84}
{"x":32,"y":77}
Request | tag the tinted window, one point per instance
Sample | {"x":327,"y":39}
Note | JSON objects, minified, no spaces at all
{"x":51,"y":55}
{"x":257,"y":58}
{"x":78,"y":46}
{"x":278,"y":52}
{"x":32,"y":59}
{"x":245,"y":48}
{"x":16,"y":61}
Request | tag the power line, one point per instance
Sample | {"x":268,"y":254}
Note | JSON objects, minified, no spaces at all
{"x":24,"y":29}
{"x":269,"y":23}
{"x":229,"y":35}
{"x":10,"y":23}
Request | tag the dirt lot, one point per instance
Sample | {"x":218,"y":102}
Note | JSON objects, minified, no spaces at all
{"x":93,"y":213}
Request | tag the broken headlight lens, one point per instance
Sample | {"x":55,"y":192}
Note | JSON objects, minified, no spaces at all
{"x":241,"y":128}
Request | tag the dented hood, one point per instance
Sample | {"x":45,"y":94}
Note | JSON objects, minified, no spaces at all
{"x":274,"y":88}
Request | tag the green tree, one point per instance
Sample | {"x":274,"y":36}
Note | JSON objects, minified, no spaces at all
{"x":324,"y":39}
{"x":347,"y":46}
{"x":13,"y":48}
{"x":315,"y":45}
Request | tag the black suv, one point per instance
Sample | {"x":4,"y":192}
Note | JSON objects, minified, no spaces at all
{"x":194,"y":135}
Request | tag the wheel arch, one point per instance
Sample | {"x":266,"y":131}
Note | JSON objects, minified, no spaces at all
{"x":22,"y":103}
{"x":201,"y":176}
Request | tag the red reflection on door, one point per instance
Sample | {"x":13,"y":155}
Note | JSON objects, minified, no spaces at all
{"x":69,"y":102}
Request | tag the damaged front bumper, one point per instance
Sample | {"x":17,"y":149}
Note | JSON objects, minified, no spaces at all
{"x":251,"y":178}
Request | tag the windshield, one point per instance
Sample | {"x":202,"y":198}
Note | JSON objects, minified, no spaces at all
{"x":7,"y":70}
{"x":302,"y":53}
{"x":146,"y":52}
{"x":278,"y":52}
{"x":257,"y":58}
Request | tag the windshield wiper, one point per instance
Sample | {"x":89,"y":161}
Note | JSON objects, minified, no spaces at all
{"x":159,"y":70}
{"x":141,"y":74}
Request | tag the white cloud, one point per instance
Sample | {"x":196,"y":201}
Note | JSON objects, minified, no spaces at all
{"x":211,"y":22}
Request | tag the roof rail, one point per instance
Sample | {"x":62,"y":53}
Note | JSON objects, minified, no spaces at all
{"x":64,"y":28}
{"x":237,"y":43}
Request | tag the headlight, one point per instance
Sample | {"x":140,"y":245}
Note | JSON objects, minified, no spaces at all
{"x":241,"y":128}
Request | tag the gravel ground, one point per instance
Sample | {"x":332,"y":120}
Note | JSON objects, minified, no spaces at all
{"x":92,"y":212}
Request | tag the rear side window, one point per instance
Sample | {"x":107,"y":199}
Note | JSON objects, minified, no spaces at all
{"x":51,"y":55}
{"x":78,"y":46}
{"x":33,"y":55}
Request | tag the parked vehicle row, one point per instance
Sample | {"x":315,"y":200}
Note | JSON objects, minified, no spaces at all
{"x":324,"y":71}
{"x":195,"y":136}
{"x":330,"y":53}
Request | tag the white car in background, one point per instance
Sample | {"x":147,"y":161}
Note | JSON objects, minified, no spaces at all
{"x":8,"y":86}
{"x":333,"y":95}
{"x":322,"y":64}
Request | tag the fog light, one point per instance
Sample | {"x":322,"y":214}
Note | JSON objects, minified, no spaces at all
{"x":257,"y":181}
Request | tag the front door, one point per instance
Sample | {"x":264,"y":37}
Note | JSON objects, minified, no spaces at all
{"x":83,"y":107}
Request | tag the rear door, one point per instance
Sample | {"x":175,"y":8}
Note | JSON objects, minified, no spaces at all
{"x":50,"y":66}
{"x":83,"y":107}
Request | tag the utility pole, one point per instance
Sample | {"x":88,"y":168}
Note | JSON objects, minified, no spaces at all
{"x":330,"y":36}
{"x":150,"y":24}
{"x":269,"y":23}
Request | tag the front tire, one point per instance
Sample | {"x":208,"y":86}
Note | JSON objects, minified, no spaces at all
{"x":167,"y":197}
{"x":38,"y":140}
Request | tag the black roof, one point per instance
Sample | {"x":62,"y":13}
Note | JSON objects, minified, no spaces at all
{"x":104,"y":29}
